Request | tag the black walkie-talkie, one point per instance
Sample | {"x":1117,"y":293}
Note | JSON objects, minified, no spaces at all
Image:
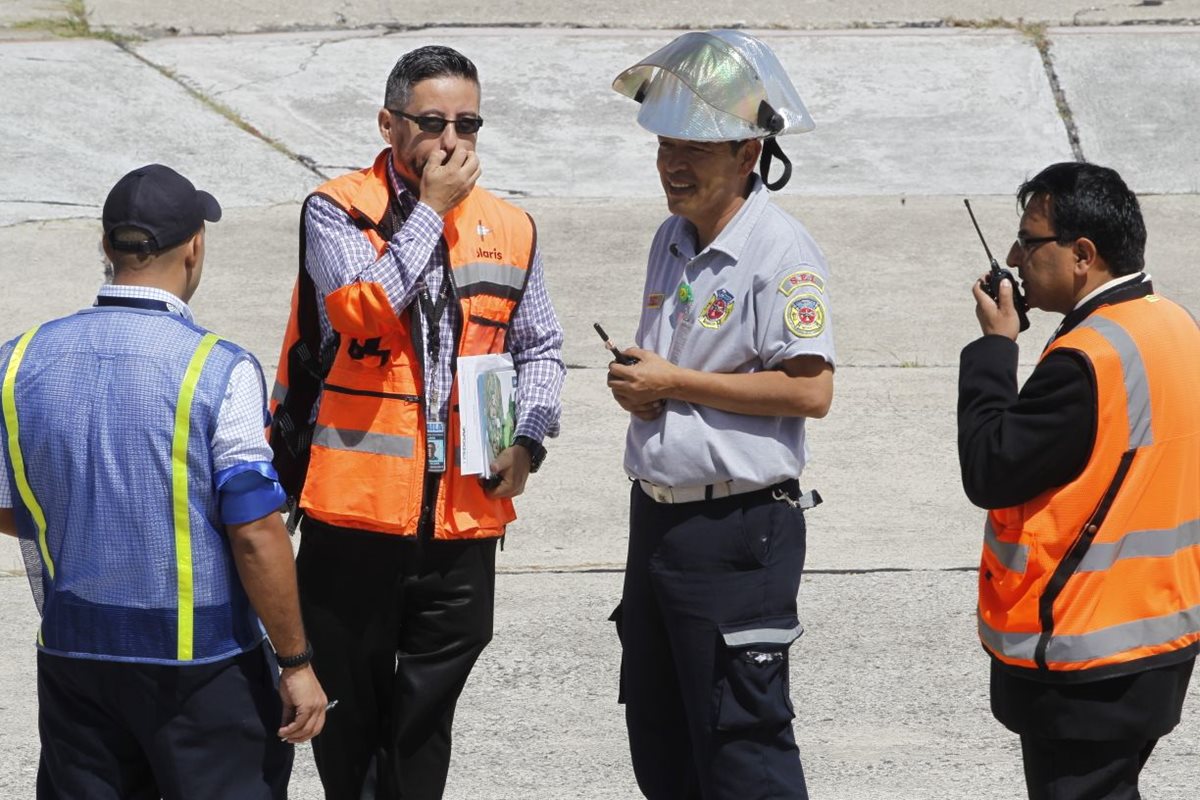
{"x":991,"y":283}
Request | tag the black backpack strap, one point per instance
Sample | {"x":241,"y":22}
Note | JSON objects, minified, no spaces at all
{"x":307,"y":365}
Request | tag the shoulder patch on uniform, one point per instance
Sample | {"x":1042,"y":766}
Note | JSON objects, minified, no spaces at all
{"x":654,"y":300}
{"x":800,"y":278}
{"x":717,"y":309}
{"x":805,"y":315}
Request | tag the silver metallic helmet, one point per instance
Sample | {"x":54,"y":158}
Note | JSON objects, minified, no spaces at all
{"x":717,"y":86}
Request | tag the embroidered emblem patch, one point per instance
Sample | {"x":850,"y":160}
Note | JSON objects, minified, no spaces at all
{"x":805,"y":316}
{"x":802,"y":278}
{"x":654,"y":300}
{"x":717,"y":309}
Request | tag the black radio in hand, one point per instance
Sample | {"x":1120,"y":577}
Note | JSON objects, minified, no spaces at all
{"x":991,"y":283}
{"x":617,"y":355}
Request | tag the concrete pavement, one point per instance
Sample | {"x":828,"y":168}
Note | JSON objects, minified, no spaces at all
{"x":889,"y":683}
{"x":130,"y":17}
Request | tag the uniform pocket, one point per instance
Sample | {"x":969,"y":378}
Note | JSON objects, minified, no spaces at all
{"x":752,"y":688}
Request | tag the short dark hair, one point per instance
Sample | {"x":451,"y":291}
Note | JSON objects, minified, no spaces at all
{"x":1089,"y":201}
{"x":431,"y":61}
{"x":127,"y":259}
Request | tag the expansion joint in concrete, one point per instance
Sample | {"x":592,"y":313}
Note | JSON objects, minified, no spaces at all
{"x":619,"y":568}
{"x":224,"y":110}
{"x":1042,"y":42}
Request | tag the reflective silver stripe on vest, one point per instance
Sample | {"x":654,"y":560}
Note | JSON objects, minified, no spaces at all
{"x":1141,"y":544}
{"x":1012,"y":555}
{"x":1013,"y":645}
{"x":1103,"y":643}
{"x":763,"y":636}
{"x":382,"y":444}
{"x":1137,"y":390}
{"x":484,"y":272}
{"x":279,"y":393}
{"x":1123,"y":637}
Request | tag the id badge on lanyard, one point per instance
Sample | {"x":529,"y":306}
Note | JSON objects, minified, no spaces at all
{"x":435,"y":446}
{"x":682,"y":320}
{"x":435,"y":430}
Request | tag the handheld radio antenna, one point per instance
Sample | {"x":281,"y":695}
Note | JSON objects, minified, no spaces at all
{"x":982,"y":241}
{"x":991,"y":281}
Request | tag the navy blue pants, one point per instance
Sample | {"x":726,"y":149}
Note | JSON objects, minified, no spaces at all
{"x":706,"y":618}
{"x":115,"y":731}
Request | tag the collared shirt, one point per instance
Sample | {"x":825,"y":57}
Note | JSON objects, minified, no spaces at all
{"x":238,"y":437}
{"x":1112,"y":284}
{"x":415,"y":261}
{"x":1071,"y":319}
{"x":757,"y":296}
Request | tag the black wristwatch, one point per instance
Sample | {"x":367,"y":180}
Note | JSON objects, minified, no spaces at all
{"x":537,"y":453}
{"x":291,"y":662}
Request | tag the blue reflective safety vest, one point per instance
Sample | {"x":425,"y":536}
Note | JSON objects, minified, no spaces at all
{"x":107,"y":420}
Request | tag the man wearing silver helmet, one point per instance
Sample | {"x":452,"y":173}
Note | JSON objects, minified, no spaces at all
{"x":734,"y":351}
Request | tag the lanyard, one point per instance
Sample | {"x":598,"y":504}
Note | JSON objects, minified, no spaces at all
{"x":132,"y":302}
{"x":435,"y":429}
{"x":433,"y":311}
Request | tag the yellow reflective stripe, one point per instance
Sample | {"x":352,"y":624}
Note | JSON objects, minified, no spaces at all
{"x":179,"y":495}
{"x":14,"y":447}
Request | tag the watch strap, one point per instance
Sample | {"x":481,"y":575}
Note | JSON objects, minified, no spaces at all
{"x":537,"y":453}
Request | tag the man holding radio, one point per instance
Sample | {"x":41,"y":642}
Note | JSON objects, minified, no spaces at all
{"x":735,"y":350}
{"x":1091,"y":474}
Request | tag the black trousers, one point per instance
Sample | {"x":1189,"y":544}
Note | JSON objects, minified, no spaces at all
{"x":396,"y":626}
{"x":706,"y":617}
{"x":1074,"y":769}
{"x":116,"y":731}
{"x":1089,"y":741}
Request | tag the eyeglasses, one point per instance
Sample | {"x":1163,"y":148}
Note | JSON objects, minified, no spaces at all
{"x":463,"y":126}
{"x":1028,"y":245}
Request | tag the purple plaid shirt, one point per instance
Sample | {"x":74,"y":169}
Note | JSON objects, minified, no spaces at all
{"x":414,"y":260}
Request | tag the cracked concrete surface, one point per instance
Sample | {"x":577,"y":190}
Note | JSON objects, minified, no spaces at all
{"x":913,"y":113}
{"x":221,"y":16}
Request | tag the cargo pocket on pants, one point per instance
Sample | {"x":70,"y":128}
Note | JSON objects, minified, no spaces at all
{"x":616,"y":617}
{"x":752,"y":689}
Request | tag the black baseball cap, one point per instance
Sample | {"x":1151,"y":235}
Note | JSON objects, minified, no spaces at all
{"x":161,"y":202}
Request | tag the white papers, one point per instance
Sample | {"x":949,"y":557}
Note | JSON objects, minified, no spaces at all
{"x":487,"y":410}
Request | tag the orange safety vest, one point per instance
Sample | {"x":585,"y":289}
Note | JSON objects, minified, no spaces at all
{"x":363,"y":464}
{"x":1101,"y":576}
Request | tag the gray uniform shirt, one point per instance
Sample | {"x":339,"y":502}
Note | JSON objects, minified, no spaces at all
{"x":755,"y":297}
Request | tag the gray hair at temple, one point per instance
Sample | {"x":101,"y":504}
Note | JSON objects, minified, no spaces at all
{"x":431,"y":61}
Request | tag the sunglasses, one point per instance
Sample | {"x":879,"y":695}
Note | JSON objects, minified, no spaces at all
{"x":463,"y":126}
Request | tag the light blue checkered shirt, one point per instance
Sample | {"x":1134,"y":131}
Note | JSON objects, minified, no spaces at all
{"x":238,"y":437}
{"x":415,"y":259}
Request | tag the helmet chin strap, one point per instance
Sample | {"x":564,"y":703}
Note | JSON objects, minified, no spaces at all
{"x":771,"y":149}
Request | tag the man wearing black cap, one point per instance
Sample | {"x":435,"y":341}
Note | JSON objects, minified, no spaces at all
{"x":137,"y":477}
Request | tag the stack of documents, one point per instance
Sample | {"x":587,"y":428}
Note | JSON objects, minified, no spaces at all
{"x":487,"y":410}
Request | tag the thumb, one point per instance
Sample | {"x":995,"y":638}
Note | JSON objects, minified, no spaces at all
{"x":435,"y":159}
{"x":1006,"y":291}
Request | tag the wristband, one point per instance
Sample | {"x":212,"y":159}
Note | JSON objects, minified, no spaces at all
{"x":291,"y":662}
